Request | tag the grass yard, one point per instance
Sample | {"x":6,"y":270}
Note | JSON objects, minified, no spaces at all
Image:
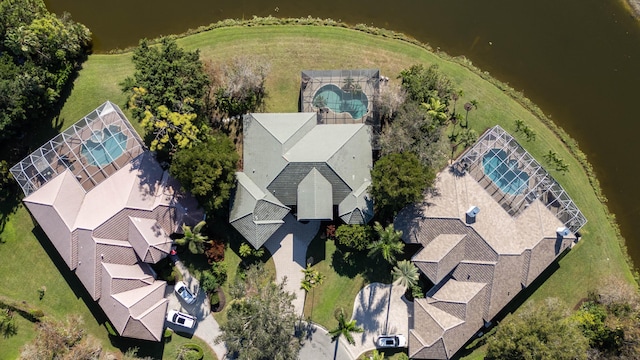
{"x":336,"y":291}
{"x":29,"y":261}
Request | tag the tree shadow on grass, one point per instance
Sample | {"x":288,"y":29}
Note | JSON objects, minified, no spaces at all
{"x":353,"y":263}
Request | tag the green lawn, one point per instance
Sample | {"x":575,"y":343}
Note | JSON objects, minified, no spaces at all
{"x":338,"y":290}
{"x":289,"y":49}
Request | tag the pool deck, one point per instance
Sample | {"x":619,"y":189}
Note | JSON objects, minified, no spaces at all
{"x":504,"y":233}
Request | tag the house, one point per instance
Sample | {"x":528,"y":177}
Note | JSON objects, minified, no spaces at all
{"x":494,"y":223}
{"x":108,"y":208}
{"x":291,"y":162}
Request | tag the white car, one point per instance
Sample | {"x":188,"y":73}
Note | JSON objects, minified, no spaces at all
{"x":182,"y":319}
{"x":391,"y":341}
{"x":183,"y":291}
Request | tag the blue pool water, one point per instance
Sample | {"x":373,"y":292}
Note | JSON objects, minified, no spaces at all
{"x":104,"y":146}
{"x":340,"y":101}
{"x":505,"y":174}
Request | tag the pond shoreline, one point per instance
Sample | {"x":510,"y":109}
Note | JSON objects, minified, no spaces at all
{"x":634,"y":6}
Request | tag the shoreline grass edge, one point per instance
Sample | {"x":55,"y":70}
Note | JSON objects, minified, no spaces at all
{"x":570,"y":144}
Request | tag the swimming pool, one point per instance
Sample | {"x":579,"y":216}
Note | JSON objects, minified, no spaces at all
{"x":104,"y":146}
{"x":355,"y":102}
{"x":504,"y":173}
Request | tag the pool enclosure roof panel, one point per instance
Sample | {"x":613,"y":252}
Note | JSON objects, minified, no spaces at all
{"x":357,"y":82}
{"x":93,"y":148}
{"x":509,"y":186}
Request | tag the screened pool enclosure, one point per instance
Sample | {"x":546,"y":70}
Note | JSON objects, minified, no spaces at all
{"x":93,"y":148}
{"x":515,"y":179}
{"x":340,"y":96}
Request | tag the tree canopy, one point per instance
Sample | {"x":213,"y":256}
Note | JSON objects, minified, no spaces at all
{"x":39,"y":52}
{"x":261,"y":321}
{"x":538,"y":331}
{"x":356,"y":237}
{"x":414,"y":130}
{"x":237,"y":87}
{"x":169,"y":75}
{"x":207,"y":170}
{"x":422,"y":83}
{"x":397,"y":180}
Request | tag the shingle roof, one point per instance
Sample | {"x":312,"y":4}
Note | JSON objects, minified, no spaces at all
{"x":314,"y":197}
{"x":478,"y":266}
{"x":254,"y":213}
{"x":291,"y":160}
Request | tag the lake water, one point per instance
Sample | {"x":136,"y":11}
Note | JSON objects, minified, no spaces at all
{"x":579,"y":60}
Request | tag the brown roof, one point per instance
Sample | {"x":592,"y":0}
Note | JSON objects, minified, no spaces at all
{"x":478,"y":266}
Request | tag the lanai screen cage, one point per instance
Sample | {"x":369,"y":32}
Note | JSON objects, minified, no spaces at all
{"x":341,"y":96}
{"x":515,"y":179}
{"x":93,"y":148}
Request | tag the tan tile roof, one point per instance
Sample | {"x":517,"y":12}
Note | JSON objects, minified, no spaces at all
{"x":107,"y":231}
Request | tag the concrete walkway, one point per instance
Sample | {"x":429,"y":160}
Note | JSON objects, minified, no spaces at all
{"x":207,"y":328}
{"x":288,"y":247}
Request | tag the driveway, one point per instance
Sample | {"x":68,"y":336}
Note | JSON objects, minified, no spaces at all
{"x":207,"y":328}
{"x":379,"y":309}
{"x":288,"y":247}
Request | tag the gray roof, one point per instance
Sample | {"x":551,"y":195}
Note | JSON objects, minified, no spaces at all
{"x":314,"y":197}
{"x":478,"y":265}
{"x":254,"y":213}
{"x":291,"y":160}
{"x":357,"y":207}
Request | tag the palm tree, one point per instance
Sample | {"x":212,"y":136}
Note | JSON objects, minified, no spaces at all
{"x":193,"y":238}
{"x":436,"y":109}
{"x":455,"y":96}
{"x":405,"y":273}
{"x":467,"y":107}
{"x":389,"y":243}
{"x":312,"y":278}
{"x":468,"y":137}
{"x":345,"y":328}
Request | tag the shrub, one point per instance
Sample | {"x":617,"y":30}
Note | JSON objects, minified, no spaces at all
{"x":356,"y":237}
{"x":23,"y":308}
{"x":214,"y":299}
{"x":210,"y":280}
{"x":167,"y":334}
{"x":215,"y":251}
{"x":189,"y":352}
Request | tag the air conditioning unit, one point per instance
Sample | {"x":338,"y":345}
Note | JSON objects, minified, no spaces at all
{"x":473,"y":211}
{"x":563,"y":231}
